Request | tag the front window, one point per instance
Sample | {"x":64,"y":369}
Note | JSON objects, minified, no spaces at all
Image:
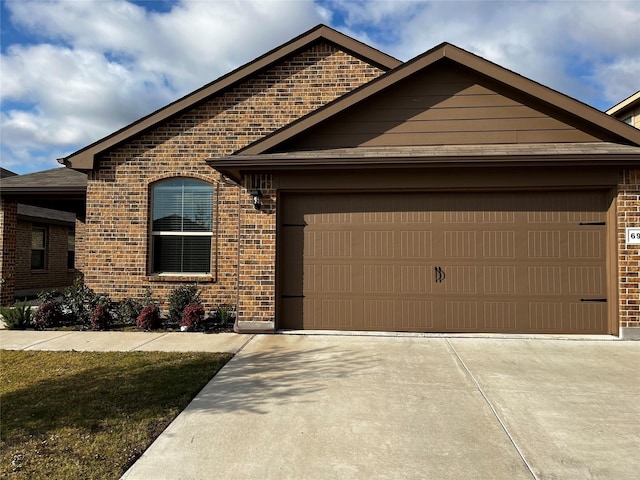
{"x":71,"y":249}
{"x":38,"y":248}
{"x":182,"y":226}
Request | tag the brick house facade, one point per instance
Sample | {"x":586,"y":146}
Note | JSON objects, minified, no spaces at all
{"x":38,"y":244}
{"x":327,"y":119}
{"x":118,"y":192}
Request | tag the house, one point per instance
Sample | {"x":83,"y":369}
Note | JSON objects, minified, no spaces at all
{"x":628,"y":110}
{"x":41,"y":254}
{"x":327,"y":185}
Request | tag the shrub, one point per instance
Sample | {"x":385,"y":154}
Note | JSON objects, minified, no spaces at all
{"x":79,"y":301}
{"x":47,"y":315}
{"x":223,"y":314}
{"x":128,"y":310}
{"x":179,"y":298}
{"x":17,"y":317}
{"x":149,"y":318}
{"x":193,"y":316}
{"x":101,"y":318}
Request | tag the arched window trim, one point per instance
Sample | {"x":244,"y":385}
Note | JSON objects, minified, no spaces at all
{"x":177,"y":242}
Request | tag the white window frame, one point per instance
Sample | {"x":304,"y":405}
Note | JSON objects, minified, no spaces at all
{"x":42,"y":249}
{"x":162,"y":233}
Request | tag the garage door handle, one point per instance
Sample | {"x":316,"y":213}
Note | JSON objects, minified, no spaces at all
{"x":439,"y":274}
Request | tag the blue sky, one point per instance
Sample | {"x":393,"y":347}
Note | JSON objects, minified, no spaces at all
{"x":73,"y":71}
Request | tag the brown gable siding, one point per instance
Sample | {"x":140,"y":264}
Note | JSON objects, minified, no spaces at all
{"x":117,"y":230}
{"x":445,"y":105}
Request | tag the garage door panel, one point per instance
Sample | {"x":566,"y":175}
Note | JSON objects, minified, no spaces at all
{"x":586,"y":280}
{"x":459,"y":279}
{"x":416,"y":244}
{"x":416,"y":279}
{"x":417,"y":315}
{"x":586,"y":317}
{"x":379,"y":243}
{"x":460,"y":244}
{"x":507,"y":261}
{"x":461,"y":316}
{"x":585,"y":243}
{"x":546,"y":316}
{"x":498,"y":244}
{"x":500,"y":316}
{"x":499,"y":280}
{"x":293,"y":261}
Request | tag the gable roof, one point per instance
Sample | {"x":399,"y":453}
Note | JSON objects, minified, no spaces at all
{"x":84,"y":159}
{"x":614,"y":130}
{"x":4,"y":173}
{"x":59,"y":188}
{"x":627,"y":104}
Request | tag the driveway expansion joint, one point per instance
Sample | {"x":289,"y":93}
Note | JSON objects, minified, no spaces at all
{"x":137,"y":347}
{"x":47,"y":340}
{"x":245,"y":344}
{"x":492,"y":408}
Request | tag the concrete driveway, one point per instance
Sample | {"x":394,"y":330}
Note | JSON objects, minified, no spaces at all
{"x":363,"y":407}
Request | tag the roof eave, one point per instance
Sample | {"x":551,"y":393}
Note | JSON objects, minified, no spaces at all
{"x":234,"y":168}
{"x":84,"y":159}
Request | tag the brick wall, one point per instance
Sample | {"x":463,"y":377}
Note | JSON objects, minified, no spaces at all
{"x":56,"y":274}
{"x":8,"y":224}
{"x":628,"y":208}
{"x":117,"y":228}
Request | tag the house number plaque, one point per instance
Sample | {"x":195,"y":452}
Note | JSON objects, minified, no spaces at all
{"x":633,"y":236}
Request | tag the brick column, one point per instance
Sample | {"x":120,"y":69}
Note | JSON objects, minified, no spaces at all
{"x":257,"y":272}
{"x":8,"y":223}
{"x":628,"y":209}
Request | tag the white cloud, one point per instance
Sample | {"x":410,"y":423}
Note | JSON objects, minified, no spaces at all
{"x":588,"y":50}
{"x":92,"y":66}
{"x":103,"y":64}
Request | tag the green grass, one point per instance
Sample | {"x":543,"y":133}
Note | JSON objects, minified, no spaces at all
{"x":91,"y":415}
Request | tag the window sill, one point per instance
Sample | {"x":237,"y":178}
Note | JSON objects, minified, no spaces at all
{"x":181,"y":278}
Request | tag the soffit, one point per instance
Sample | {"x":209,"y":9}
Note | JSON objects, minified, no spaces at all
{"x":509,"y":155}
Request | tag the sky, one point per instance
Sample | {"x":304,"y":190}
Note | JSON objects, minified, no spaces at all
{"x":74,"y":71}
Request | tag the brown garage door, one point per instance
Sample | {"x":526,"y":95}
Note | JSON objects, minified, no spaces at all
{"x":444,"y":262}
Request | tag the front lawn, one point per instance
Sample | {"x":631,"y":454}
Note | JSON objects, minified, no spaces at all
{"x":90,"y":415}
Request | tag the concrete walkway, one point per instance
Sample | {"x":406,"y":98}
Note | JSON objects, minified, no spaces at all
{"x":363,"y":407}
{"x":121,"y":341}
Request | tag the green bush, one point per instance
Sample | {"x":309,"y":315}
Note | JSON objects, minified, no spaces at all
{"x":223,"y":314}
{"x":179,"y":298}
{"x":128,"y":310}
{"x":76,"y":303}
{"x":80,"y":301}
{"x":17,"y":317}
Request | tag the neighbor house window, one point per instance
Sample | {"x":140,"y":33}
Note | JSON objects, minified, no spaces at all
{"x":182,"y":226}
{"x":38,"y":248}
{"x":628,"y":120}
{"x":71,"y":249}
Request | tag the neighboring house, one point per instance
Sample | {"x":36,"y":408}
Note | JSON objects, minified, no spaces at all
{"x":326,"y":185}
{"x":628,"y":110}
{"x":41,"y":253}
